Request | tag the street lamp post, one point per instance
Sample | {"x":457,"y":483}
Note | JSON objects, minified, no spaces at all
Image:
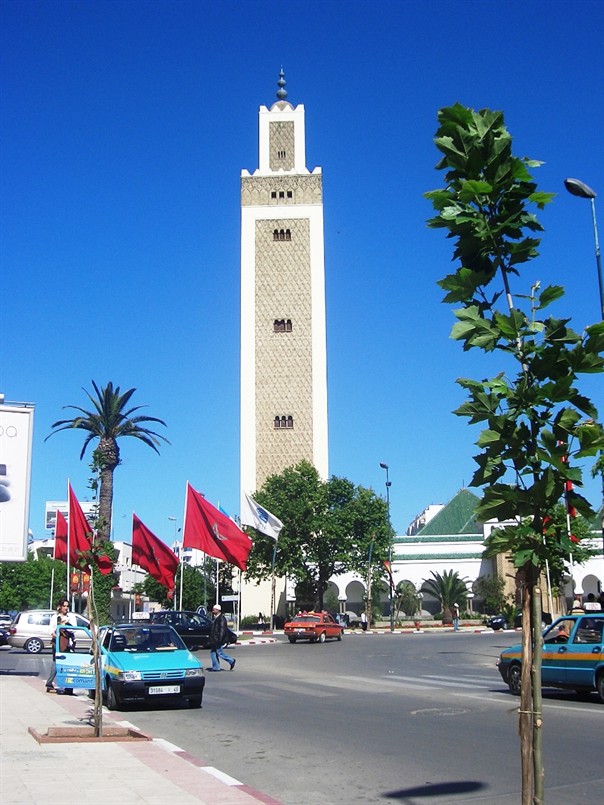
{"x":580,"y":189}
{"x":391,"y":596}
{"x":173,"y":519}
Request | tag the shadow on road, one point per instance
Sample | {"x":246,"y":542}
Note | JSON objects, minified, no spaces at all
{"x":435,"y":790}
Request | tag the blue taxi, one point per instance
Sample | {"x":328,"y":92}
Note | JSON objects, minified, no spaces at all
{"x":148,"y":663}
{"x":573,"y":656}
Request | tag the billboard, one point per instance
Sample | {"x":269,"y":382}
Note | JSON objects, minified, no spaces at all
{"x":16,"y":432}
{"x":52,"y":506}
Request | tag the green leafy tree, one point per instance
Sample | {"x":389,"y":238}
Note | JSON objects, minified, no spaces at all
{"x":448,"y":588}
{"x":491,"y":590}
{"x":566,"y":549}
{"x":195,"y":584}
{"x":328,"y":528}
{"x":110,"y":420}
{"x":537,"y":425}
{"x":26,"y":585}
{"x":407,"y":599}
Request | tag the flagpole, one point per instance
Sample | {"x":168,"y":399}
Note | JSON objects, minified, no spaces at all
{"x":67,"y":585}
{"x":52,"y":587}
{"x":273,"y":582}
{"x":182,"y":542}
{"x":217,"y":583}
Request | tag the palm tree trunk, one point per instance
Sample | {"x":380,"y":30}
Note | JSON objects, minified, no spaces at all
{"x":105,"y":504}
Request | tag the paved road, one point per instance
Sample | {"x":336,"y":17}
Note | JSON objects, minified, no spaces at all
{"x":414,"y":719}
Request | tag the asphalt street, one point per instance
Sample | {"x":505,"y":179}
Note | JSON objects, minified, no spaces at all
{"x":414,"y":719}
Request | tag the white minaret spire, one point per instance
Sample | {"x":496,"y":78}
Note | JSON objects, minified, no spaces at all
{"x":283,"y":340}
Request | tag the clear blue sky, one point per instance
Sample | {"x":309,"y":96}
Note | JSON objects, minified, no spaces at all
{"x":125,"y":126}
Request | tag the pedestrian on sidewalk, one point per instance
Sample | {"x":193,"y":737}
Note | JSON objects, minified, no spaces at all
{"x":62,"y":617}
{"x":456,"y":617}
{"x":218,"y":634}
{"x":364,"y":621}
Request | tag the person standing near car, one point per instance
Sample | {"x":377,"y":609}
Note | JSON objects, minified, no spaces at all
{"x":218,"y":636}
{"x":62,"y":617}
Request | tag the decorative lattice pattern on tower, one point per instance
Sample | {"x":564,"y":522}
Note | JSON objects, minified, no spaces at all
{"x":273,"y":190}
{"x":281,"y":154}
{"x":283,"y":358}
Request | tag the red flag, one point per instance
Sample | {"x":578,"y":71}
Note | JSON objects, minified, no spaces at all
{"x":80,"y":535}
{"x":153,"y":555}
{"x":213,"y":532}
{"x":60,"y":551}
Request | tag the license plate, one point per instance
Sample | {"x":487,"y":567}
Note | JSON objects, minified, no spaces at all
{"x":158,"y":689}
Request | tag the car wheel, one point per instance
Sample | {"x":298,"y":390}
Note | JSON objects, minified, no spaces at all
{"x":292,"y":639}
{"x":322,"y":637}
{"x":514,"y":675}
{"x":112,"y":700}
{"x":194,"y":701}
{"x":340,"y":635}
{"x":600,"y":687}
{"x":34,"y":645}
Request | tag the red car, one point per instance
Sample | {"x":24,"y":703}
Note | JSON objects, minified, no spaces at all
{"x":313,"y":626}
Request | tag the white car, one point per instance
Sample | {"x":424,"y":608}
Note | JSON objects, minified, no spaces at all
{"x":31,"y":630}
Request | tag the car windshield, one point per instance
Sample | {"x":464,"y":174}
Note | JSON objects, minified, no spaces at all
{"x":307,"y":619}
{"x":145,"y":639}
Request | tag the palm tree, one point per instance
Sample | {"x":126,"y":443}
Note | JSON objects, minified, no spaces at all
{"x":108,"y":422}
{"x":448,"y":588}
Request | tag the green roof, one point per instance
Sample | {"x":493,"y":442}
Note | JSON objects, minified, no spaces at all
{"x":457,"y":517}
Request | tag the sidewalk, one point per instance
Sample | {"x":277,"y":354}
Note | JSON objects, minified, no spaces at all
{"x":154,"y":772}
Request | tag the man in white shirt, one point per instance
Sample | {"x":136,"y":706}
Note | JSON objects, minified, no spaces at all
{"x":61,"y":617}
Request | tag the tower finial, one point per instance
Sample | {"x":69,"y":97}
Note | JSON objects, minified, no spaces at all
{"x":281,"y":92}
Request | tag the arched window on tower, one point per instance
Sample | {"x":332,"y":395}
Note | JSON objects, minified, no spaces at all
{"x":277,"y":422}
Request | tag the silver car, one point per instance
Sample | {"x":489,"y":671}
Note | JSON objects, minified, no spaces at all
{"x":31,"y":630}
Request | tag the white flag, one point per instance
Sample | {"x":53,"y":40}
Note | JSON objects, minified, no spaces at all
{"x":259,"y":518}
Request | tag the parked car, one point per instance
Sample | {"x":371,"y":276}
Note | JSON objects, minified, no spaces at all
{"x":147,"y":662}
{"x":573,"y":656}
{"x":5,"y":619}
{"x":546,"y":619}
{"x":4,"y":635}
{"x":31,"y":630}
{"x":497,"y":622}
{"x":313,"y":626}
{"x":193,"y":627}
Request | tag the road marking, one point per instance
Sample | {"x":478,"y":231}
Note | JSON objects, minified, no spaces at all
{"x":297,"y":688}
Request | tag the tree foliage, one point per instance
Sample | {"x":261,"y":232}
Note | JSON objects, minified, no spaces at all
{"x":537,"y":425}
{"x":328,"y":528}
{"x":26,"y":585}
{"x":406,"y":599}
{"x":110,"y":420}
{"x":491,"y":590}
{"x":198,"y":588}
{"x":448,"y":588}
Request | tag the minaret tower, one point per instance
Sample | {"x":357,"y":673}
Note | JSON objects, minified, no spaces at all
{"x":283,"y":343}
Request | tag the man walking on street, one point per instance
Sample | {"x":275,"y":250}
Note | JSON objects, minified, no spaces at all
{"x":218,"y":635}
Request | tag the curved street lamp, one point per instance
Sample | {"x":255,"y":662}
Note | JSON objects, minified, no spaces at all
{"x":582,"y":190}
{"x":390,"y":585}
